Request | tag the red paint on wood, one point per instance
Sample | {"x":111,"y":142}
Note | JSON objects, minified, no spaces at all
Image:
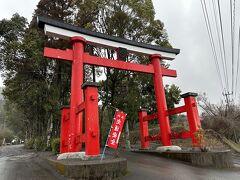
{"x":150,"y":117}
{"x":66,"y":55}
{"x":92,"y":132}
{"x":156,"y":137}
{"x":64,"y":131}
{"x":118,"y":64}
{"x":176,"y":110}
{"x":76,"y":93}
{"x":161,"y":101}
{"x":193,"y":117}
{"x":143,"y":129}
{"x":80,"y":107}
{"x":181,"y":135}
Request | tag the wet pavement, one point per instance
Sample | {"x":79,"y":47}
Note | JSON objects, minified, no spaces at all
{"x":236,"y":159}
{"x":150,"y":167}
{"x":17,"y":163}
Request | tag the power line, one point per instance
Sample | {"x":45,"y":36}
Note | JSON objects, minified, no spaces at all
{"x":219,"y":42}
{"x":234,"y":12}
{"x":238,"y":61}
{"x":223,"y":42}
{"x":232,"y":38}
{"x":206,"y":18}
{"x":229,"y":71}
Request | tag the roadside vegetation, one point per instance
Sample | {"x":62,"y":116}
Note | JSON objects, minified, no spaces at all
{"x":6,"y":136}
{"x":222,"y":118}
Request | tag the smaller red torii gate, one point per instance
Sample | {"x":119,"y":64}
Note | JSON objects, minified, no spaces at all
{"x":190,"y":108}
{"x":72,"y":136}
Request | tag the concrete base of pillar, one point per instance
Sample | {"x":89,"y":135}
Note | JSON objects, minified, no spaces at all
{"x":77,"y":155}
{"x":168,"y":148}
{"x":217,"y":159}
{"x":74,"y":167}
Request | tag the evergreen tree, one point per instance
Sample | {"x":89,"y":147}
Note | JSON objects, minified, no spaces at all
{"x":133,"y":20}
{"x":37,"y":87}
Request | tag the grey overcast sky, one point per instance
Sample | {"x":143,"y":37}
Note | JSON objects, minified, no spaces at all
{"x":185,"y":26}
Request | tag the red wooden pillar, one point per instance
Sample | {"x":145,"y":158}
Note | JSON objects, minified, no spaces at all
{"x":76,"y":93}
{"x":143,"y":128}
{"x":161,"y":100}
{"x":92,"y":144}
{"x":64,"y":129}
{"x":192,"y":115}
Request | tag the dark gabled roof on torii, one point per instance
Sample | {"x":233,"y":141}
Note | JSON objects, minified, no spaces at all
{"x":42,"y":21}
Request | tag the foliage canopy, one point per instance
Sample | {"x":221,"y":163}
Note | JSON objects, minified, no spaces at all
{"x":36,"y":88}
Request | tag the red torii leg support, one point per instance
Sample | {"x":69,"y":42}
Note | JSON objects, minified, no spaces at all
{"x":92,"y":144}
{"x":192,"y":116}
{"x":78,"y":44}
{"x":64,"y":129}
{"x":143,"y":128}
{"x":161,"y":100}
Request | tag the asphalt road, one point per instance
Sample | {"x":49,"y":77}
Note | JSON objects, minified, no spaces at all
{"x":236,"y":159}
{"x":150,"y":167}
{"x":17,"y":163}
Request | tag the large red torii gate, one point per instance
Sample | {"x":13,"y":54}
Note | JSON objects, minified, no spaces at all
{"x":79,"y":37}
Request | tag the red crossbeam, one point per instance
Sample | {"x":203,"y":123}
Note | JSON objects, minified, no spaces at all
{"x":117,"y":64}
{"x":58,"y":54}
{"x":156,"y":137}
{"x":181,"y":135}
{"x":80,"y":107}
{"x":150,"y":117}
{"x":99,"y":61}
{"x":176,"y":110}
{"x":169,"y":112}
{"x":66,"y":117}
{"x":80,"y":138}
{"x":174,"y":135}
{"x":104,"y":62}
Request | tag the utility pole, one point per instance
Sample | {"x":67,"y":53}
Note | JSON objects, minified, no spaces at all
{"x":226,"y":95}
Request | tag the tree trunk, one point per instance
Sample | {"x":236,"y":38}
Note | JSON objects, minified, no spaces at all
{"x":128,"y":144}
{"x":49,"y":130}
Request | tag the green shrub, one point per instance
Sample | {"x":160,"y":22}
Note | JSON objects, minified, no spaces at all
{"x":39,"y":144}
{"x":29,"y":144}
{"x":55,"y":145}
{"x":7,"y":134}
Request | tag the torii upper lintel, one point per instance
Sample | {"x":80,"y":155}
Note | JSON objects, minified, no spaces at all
{"x":66,"y":31}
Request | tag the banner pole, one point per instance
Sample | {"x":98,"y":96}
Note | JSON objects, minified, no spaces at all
{"x":108,"y":136}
